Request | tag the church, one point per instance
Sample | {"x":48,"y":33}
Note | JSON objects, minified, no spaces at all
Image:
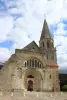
{"x":32,"y":68}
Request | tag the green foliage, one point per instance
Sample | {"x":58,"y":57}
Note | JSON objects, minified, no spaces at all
{"x":64,"y":88}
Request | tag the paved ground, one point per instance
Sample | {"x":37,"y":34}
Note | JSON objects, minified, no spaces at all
{"x":20,"y":95}
{"x":45,"y":96}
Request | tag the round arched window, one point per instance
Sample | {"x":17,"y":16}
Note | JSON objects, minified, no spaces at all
{"x":33,"y":63}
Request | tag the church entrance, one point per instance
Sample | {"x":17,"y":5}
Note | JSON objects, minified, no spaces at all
{"x":32,"y":80}
{"x":30,"y":85}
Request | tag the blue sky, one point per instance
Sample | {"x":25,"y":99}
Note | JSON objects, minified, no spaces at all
{"x":7,"y":44}
{"x":21,"y":20}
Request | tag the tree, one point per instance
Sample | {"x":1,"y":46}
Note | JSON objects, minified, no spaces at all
{"x":64,"y":88}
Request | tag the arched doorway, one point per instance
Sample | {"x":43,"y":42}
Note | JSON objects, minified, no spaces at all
{"x":32,"y":80}
{"x":30,"y":85}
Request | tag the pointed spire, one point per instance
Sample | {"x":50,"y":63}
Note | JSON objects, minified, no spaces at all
{"x":45,"y":31}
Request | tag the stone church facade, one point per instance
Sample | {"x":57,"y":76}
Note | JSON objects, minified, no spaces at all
{"x":33,"y":68}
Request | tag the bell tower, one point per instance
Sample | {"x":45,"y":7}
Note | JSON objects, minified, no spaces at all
{"x":46,"y":44}
{"x":46,"y":40}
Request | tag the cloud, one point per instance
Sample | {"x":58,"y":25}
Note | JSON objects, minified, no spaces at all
{"x":4,"y":54}
{"x":60,"y":41}
{"x":60,"y":29}
{"x":63,"y":12}
{"x":6,"y":24}
{"x":62,"y":61}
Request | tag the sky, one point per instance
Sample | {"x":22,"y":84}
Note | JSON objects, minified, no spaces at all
{"x":21,"y":22}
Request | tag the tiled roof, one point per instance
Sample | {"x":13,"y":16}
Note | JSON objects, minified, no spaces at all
{"x":52,"y":65}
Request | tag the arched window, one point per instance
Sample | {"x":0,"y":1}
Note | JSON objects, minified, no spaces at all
{"x":30,"y":62}
{"x":38,"y":63}
{"x":50,"y":76}
{"x":52,"y":44}
{"x":43,"y":44}
{"x":25,"y":64}
{"x":33,"y":62}
{"x":48,"y":44}
{"x":33,"y":47}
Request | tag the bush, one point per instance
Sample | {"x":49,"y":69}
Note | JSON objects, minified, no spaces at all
{"x":64,"y":88}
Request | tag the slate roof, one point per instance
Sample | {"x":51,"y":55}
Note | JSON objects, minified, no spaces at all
{"x":45,"y":31}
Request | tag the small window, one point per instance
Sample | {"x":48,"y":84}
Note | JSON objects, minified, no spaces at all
{"x":52,"y":45}
{"x":25,"y":64}
{"x":47,"y":44}
{"x":33,"y":47}
{"x":43,"y":44}
{"x":50,"y":76}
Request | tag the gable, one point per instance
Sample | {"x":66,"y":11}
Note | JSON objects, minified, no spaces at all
{"x":33,"y":47}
